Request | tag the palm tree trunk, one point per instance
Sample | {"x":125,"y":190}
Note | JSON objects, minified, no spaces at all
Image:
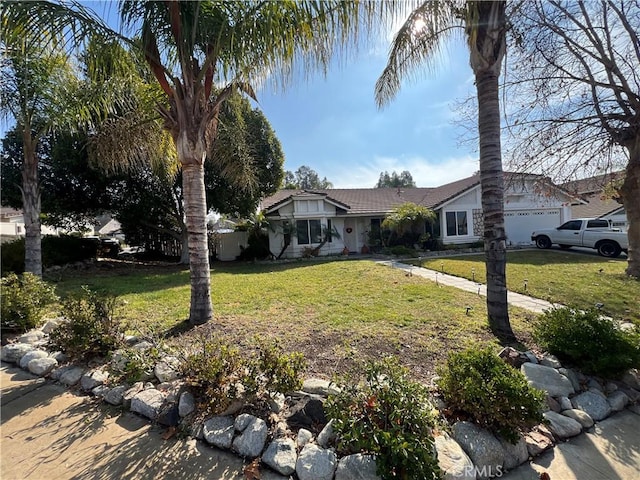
{"x":629,"y":191}
{"x":31,"y":207}
{"x":492,"y":187}
{"x":195,"y":205}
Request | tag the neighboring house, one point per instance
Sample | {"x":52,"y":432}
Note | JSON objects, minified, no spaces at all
{"x":12,"y":225}
{"x":531,"y":202}
{"x":598,"y":203}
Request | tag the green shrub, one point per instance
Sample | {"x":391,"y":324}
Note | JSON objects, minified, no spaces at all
{"x":390,"y":416}
{"x":92,"y":329}
{"x":495,"y":395}
{"x":132,"y":365}
{"x":24,"y":299}
{"x":589,"y":341}
{"x":219,"y":374}
{"x":12,"y":257}
{"x":55,"y":251}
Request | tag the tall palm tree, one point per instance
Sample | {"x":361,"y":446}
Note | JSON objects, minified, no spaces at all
{"x":33,"y":88}
{"x":199,"y":53}
{"x":419,"y":40}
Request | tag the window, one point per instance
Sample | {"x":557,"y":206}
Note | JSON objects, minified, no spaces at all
{"x":456,"y":224}
{"x":571,"y":225}
{"x":308,"y":231}
{"x":598,"y":224}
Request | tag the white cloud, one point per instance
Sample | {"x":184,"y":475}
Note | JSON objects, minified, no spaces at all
{"x":425,"y":173}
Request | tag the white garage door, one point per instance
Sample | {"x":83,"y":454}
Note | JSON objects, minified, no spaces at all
{"x":520,"y":223}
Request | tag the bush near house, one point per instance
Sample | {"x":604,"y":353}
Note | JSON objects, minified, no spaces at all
{"x":478,"y":383}
{"x":589,"y":341}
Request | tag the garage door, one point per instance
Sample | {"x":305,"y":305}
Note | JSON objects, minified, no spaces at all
{"x":520,"y":223}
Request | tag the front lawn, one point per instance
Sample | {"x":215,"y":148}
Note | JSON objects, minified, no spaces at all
{"x":334,"y":312}
{"x":563,"y":277}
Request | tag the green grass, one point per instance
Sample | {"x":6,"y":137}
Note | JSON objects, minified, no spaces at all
{"x":330,"y":310}
{"x":562,"y":277}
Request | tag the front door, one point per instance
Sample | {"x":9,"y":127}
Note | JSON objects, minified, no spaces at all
{"x":349,"y":235}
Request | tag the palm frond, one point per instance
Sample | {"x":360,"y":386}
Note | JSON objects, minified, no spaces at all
{"x":418,"y":43}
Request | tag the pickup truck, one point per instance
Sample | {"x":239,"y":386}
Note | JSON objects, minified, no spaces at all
{"x":584,"y":232}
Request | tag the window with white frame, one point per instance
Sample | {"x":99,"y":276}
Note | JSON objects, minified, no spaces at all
{"x":308,"y":231}
{"x":457,"y":224}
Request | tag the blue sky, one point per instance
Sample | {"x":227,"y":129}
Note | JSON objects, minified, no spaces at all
{"x":331,"y":123}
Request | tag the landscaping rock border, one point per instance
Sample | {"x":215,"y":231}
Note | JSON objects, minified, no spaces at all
{"x":575,"y":402}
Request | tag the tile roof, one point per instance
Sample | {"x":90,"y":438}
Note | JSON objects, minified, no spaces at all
{"x":592,"y":184}
{"x":591,"y":189}
{"x":362,"y":201}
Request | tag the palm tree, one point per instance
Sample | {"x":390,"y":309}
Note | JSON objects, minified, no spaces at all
{"x":418,"y":41}
{"x":32,"y":91}
{"x":199,"y":53}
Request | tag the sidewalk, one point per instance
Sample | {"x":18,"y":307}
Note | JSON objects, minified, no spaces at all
{"x":50,"y":433}
{"x":516,"y":299}
{"x":609,"y":451}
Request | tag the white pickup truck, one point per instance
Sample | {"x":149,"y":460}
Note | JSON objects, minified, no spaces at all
{"x":584,"y":232}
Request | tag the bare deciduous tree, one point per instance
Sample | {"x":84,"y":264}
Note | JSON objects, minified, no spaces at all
{"x":574,"y":95}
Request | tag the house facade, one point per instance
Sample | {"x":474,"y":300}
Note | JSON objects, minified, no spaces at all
{"x":301,"y":217}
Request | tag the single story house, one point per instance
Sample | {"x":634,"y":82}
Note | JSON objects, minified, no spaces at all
{"x":597,"y":203}
{"x":531,"y":202}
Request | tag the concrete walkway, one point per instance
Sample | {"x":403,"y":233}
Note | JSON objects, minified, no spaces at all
{"x":609,"y":451}
{"x":49,"y":433}
{"x":516,"y":299}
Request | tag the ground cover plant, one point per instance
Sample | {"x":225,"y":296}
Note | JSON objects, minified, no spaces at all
{"x":331,"y":311}
{"x":568,"y":278}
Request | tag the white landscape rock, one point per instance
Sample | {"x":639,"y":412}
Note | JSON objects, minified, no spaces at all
{"x":562,"y":426}
{"x":327,"y":435}
{"x":618,"y":400}
{"x":71,"y":376}
{"x":281,"y":456}
{"x":31,"y":355}
{"x":453,"y":461}
{"x":319,"y":386}
{"x":580,"y":416}
{"x":357,"y":467}
{"x":304,"y":436}
{"x":148,"y":403}
{"x":251,"y":442}
{"x":547,"y":379}
{"x":594,"y":404}
{"x":516,"y":454}
{"x":316,"y":463}
{"x":165,"y":372}
{"x":42,"y":366}
{"x":115,"y":395}
{"x":484,"y":449}
{"x":13,"y":352}
{"x":91,"y":380}
{"x":186,"y":404}
{"x":218,"y":431}
{"x":34,"y":336}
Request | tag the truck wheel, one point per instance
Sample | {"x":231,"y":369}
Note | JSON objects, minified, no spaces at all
{"x":543,"y":242}
{"x":609,"y":249}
